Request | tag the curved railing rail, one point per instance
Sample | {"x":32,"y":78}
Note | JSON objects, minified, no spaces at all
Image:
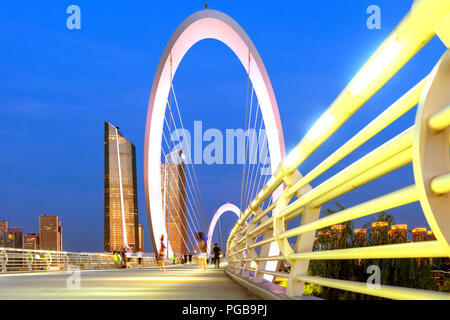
{"x":14,"y":260}
{"x":425,"y":145}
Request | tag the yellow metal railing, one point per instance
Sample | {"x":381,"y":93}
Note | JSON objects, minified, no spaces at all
{"x":425,"y":145}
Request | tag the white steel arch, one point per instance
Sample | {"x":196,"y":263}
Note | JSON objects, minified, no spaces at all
{"x":204,"y":24}
{"x":227,"y":207}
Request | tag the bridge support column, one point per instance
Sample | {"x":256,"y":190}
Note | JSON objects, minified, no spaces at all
{"x":305,"y":243}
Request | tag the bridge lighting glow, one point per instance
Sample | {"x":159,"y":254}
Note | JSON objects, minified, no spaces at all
{"x":270,"y":182}
{"x":376,"y":65}
{"x":261,"y":193}
{"x":253,"y":204}
{"x":320,"y":126}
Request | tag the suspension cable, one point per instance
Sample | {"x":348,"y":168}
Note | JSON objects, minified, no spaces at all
{"x":193,"y":167}
{"x":189,"y":195}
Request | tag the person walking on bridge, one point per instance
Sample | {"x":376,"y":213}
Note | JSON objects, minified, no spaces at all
{"x":162,"y":254}
{"x":201,"y":262}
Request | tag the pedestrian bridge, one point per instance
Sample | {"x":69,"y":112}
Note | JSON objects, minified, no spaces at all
{"x":264,"y":238}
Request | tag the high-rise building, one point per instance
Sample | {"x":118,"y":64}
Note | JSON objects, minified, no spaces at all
{"x":174,"y":203}
{"x":419,"y":234}
{"x":398,"y":233}
{"x":141,"y":238}
{"x":380,"y":232}
{"x":31,"y":241}
{"x":3,"y":226}
{"x":337,"y":231}
{"x":121,"y":211}
{"x":50,"y":233}
{"x":360,"y":237}
{"x":3,"y":232}
{"x":337,"y":236}
{"x":14,"y":239}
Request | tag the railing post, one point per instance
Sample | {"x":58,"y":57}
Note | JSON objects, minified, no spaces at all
{"x":249,"y":240}
{"x":66,"y":260}
{"x":263,"y":252}
{"x":29,"y":260}
{"x":305,"y":243}
{"x":240,"y":257}
{"x":48,"y":260}
{"x":4,"y":260}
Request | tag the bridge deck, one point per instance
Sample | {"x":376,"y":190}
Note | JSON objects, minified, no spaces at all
{"x":177,"y":283}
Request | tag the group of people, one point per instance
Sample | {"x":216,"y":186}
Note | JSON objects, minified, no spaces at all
{"x":201,"y":254}
{"x":120,"y":258}
{"x":187,"y":258}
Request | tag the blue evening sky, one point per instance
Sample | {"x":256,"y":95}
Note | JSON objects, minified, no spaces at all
{"x":57,"y":86}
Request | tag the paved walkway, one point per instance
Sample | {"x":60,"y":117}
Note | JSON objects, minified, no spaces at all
{"x":177,"y":283}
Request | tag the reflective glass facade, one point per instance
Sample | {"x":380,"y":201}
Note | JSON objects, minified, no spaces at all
{"x":174,"y":196}
{"x":114,"y":235}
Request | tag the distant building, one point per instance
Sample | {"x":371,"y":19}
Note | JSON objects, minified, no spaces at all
{"x":141,"y":238}
{"x":3,"y":226}
{"x":121,"y":210}
{"x":174,"y":199}
{"x":398,"y":233}
{"x":31,"y":241}
{"x":60,"y":236}
{"x":14,"y":239}
{"x":3,"y":232}
{"x":337,"y":231}
{"x":360,"y":237}
{"x":430,"y":235}
{"x":50,"y":232}
{"x":380,"y":232}
{"x":323,"y":240}
{"x":419,"y":234}
{"x":337,"y":236}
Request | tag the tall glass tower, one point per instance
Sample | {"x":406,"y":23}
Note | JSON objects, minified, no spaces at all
{"x":173,"y":190}
{"x":121,"y":213}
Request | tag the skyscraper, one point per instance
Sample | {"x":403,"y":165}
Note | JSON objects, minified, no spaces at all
{"x":174,"y":202}
{"x":121,"y":213}
{"x":419,"y":234}
{"x":360,"y":237}
{"x":31,"y":241}
{"x":50,"y":230}
{"x":14,"y":239}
